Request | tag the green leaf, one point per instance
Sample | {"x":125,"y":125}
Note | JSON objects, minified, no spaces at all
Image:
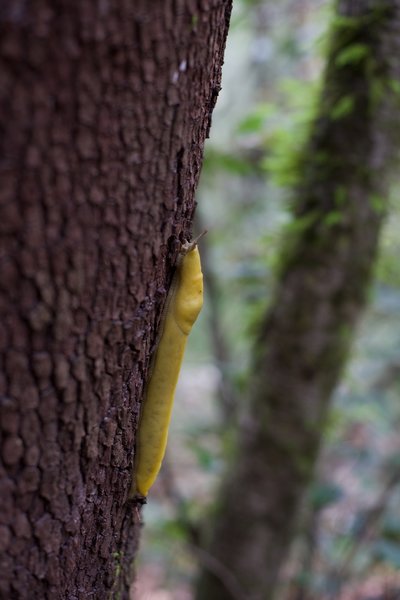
{"x":378,"y":203}
{"x":254,"y":121}
{"x":395,"y":86}
{"x":344,"y":22}
{"x":251,"y":124}
{"x":377,"y":91}
{"x":205,"y":458}
{"x":352,"y":54}
{"x":216,"y":160}
{"x":343,"y":107}
{"x":333,"y":218}
{"x":300,"y":224}
{"x":174,"y":529}
{"x":340,"y":196}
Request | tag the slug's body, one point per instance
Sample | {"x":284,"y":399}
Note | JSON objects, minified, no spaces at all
{"x":183,"y":306}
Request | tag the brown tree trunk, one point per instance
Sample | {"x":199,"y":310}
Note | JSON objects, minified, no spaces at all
{"x":304,"y":340}
{"x":104,"y":109}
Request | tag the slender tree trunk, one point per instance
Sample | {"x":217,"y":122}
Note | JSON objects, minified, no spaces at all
{"x":339,"y":205}
{"x":104,"y":109}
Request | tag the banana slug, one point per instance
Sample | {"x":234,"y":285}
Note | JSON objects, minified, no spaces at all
{"x":183,"y":305}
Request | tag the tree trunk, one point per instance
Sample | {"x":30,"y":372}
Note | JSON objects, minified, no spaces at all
{"x":303,"y":343}
{"x":104,"y":108}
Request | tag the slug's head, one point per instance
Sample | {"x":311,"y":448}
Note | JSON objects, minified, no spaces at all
{"x":189,"y":246}
{"x":189,"y":292}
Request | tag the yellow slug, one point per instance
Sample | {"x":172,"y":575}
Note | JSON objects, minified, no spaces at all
{"x":183,"y":305}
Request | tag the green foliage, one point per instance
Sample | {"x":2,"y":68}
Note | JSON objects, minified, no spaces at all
{"x":217,"y":161}
{"x":206,"y":458}
{"x":288,"y":132}
{"x":378,"y":203}
{"x":352,"y":25}
{"x":343,"y":108}
{"x":174,"y":530}
{"x":346,"y":23}
{"x":256,"y":120}
{"x":117,"y":556}
{"x":335,"y":217}
{"x":352,"y":54}
{"x":395,"y":86}
{"x":341,"y":196}
{"x":115,"y":593}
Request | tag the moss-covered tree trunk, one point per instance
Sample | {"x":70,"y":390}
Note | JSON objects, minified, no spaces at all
{"x":339,"y":206}
{"x":104,"y":109}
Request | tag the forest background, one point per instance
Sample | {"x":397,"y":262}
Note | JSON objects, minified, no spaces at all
{"x":348,"y":541}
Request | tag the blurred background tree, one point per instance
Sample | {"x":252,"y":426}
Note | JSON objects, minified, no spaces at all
{"x":280,"y":127}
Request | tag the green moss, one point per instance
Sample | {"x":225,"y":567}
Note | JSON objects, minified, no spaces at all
{"x":341,"y":196}
{"x":377,"y":203}
{"x":343,"y":107}
{"x":115,"y":593}
{"x":352,"y":54}
{"x":333,"y":218}
{"x":394,"y":85}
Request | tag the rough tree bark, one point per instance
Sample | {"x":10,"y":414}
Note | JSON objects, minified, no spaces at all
{"x":338,"y":207}
{"x":105,"y":107}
